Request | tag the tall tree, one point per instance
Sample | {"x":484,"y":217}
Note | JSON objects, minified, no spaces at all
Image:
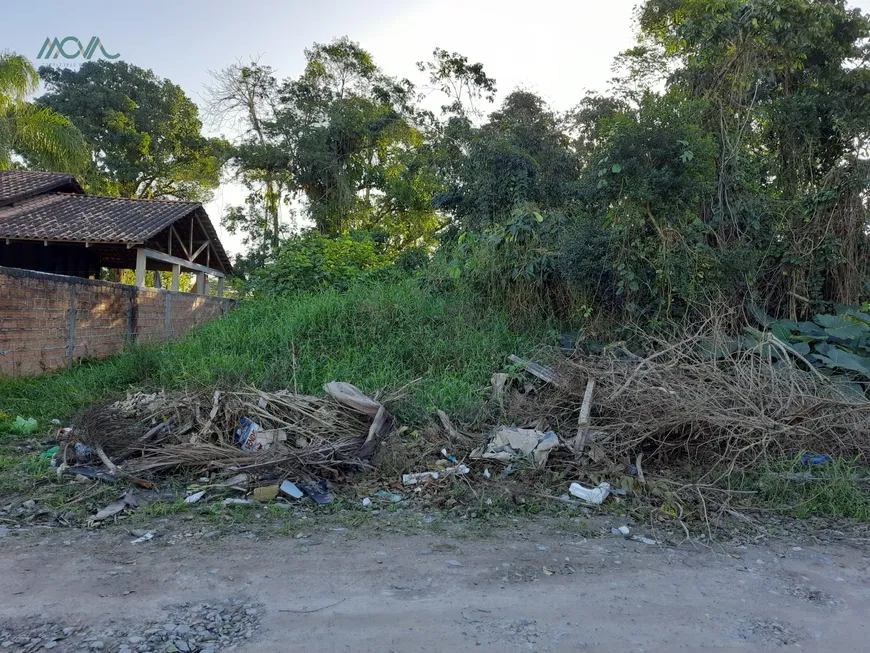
{"x":44,"y":139}
{"x":348,"y":129}
{"x":146,"y":132}
{"x":244,"y":97}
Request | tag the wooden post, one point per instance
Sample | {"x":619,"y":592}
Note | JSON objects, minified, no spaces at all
{"x":200,"y":283}
{"x":204,"y":284}
{"x":140,"y":268}
{"x":176,"y":274}
{"x":158,"y":282}
{"x":220,"y":286}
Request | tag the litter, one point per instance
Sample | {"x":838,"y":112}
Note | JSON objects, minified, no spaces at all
{"x":90,"y":472}
{"x":644,"y":540}
{"x":486,"y":473}
{"x":23,"y":426}
{"x":289,"y":489}
{"x":594,"y":496}
{"x":510,"y":444}
{"x":196,"y":496}
{"x":246,"y":436}
{"x":266,"y":493}
{"x":543,"y":372}
{"x":233,"y":501}
{"x":392,"y":496}
{"x":49,"y":453}
{"x":448,"y":456}
{"x":367,"y":502}
{"x":319,"y":492}
{"x":815,"y":459}
{"x":114,"y":508}
{"x":419,"y":477}
{"x":622,"y":530}
{"x":145,"y":538}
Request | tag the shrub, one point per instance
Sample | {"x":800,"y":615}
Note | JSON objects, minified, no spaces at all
{"x":311,"y":262}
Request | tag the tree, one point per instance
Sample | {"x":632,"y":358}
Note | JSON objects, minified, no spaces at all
{"x":521,"y":155}
{"x":348,"y":131}
{"x":245,"y":96}
{"x":145,"y":131}
{"x":43,"y":139}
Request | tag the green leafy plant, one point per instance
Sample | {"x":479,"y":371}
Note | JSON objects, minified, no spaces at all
{"x":834,"y":343}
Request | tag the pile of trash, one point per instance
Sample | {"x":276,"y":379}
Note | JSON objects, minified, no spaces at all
{"x":285,"y":433}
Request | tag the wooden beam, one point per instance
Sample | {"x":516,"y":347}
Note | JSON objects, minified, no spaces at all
{"x":193,"y":256}
{"x":187,"y":265}
{"x":140,"y":267}
{"x":176,"y":273}
{"x":180,"y":242}
{"x":190,"y":247}
{"x":200,"y":283}
{"x":220,"y":286}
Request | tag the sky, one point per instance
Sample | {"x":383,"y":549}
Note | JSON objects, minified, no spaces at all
{"x":558,"y":48}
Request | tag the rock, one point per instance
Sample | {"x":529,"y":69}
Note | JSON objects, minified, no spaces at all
{"x":49,"y":645}
{"x":182,"y":630}
{"x":454,"y":563}
{"x":30,"y":504}
{"x":207,"y":650}
{"x":97,"y":645}
{"x":7,"y":644}
{"x":182,"y":646}
{"x":135,"y":640}
{"x":170,"y":628}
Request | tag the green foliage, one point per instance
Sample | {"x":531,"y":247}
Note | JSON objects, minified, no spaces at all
{"x":838,"y":344}
{"x":312,"y":262}
{"x":374,"y":335}
{"x":832,"y":490}
{"x":145,"y":132}
{"x":520,"y":155}
{"x":44,"y":139}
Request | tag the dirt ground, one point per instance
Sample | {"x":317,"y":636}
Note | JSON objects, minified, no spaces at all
{"x":521,"y":588}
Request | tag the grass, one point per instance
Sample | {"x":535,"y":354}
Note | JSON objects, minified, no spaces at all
{"x":832,"y":490}
{"x":376,"y":336}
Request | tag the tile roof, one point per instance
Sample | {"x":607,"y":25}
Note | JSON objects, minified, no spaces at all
{"x":80,"y":218}
{"x":20,"y":184}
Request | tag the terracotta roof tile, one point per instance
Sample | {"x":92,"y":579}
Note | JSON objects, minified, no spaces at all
{"x":20,"y":184}
{"x":61,"y":216}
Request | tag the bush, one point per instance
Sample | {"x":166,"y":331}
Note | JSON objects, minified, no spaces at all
{"x":311,"y":262}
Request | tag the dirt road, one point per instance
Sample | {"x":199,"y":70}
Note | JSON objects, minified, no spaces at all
{"x":342,"y":590}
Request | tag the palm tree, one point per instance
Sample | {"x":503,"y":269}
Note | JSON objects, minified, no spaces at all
{"x":44,"y":139}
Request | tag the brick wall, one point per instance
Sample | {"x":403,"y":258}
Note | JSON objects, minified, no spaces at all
{"x":47,"y":321}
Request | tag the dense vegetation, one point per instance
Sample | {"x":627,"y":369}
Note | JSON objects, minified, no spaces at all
{"x":725,"y":165}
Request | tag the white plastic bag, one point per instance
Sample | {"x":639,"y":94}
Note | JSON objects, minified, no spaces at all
{"x":595,"y":495}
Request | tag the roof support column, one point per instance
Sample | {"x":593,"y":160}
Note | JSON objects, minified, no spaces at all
{"x":140,"y":268}
{"x":200,"y":283}
{"x":176,"y":274}
{"x":220,"y":286}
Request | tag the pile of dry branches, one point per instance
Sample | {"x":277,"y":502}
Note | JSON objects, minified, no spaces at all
{"x":725,"y":412}
{"x":303,"y":435}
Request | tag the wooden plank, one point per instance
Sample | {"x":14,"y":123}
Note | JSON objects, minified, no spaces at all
{"x":187,"y":265}
{"x":198,"y":251}
{"x":180,"y":242}
{"x":583,"y":420}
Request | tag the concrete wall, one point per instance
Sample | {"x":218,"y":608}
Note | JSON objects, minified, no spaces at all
{"x":47,"y":321}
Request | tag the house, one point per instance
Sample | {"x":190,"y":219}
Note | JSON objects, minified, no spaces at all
{"x":49,"y":224}
{"x":55,"y":243}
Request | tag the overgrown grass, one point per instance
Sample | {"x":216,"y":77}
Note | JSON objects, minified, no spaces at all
{"x":838,"y":489}
{"x":375,"y":336}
